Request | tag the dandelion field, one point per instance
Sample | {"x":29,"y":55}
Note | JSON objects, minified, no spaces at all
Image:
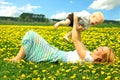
{"x":10,"y":42}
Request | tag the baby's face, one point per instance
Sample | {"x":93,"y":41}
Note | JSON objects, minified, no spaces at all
{"x":95,"y":19}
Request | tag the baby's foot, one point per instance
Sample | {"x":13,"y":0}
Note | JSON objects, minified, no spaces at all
{"x":56,"y":25}
{"x":66,"y":38}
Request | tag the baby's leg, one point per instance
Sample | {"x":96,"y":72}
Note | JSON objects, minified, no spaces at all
{"x":63,"y":22}
{"x":69,"y":34}
{"x":18,"y":57}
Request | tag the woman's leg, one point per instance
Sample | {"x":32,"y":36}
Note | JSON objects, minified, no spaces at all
{"x":63,"y":22}
{"x":18,"y":57}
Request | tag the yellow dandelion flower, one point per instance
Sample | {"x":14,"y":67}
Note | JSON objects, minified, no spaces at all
{"x":36,"y":66}
{"x":91,"y":66}
{"x":31,"y":68}
{"x":23,"y":61}
{"x":83,"y":77}
{"x":74,"y":67}
{"x":38,"y":78}
{"x":61,"y":64}
{"x":57,"y":73}
{"x":102,"y":68}
{"x":108,"y":78}
{"x":35,"y":72}
{"x":44,"y":78}
{"x":108,"y":74}
{"x":62,"y":69}
{"x":68,"y":70}
{"x":51,"y":66}
{"x":35,"y":78}
{"x":23,"y":76}
{"x":93,"y":71}
{"x":68,"y":63}
{"x":44,"y":70}
{"x":64,"y":74}
{"x":73,"y":76}
{"x":4,"y":76}
{"x":102,"y":72}
{"x":116,"y":78}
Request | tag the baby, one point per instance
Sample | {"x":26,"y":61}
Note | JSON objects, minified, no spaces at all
{"x":85,"y":19}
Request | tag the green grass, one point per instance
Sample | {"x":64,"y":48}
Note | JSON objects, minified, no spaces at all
{"x":10,"y":42}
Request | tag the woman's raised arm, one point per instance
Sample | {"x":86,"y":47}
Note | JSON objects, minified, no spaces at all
{"x":76,"y":36}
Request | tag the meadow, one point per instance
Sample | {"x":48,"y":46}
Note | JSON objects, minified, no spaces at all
{"x":10,"y":42}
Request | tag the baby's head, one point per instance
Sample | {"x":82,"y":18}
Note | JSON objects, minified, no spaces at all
{"x":96,"y":18}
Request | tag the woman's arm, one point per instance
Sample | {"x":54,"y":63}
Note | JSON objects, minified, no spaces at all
{"x":76,"y":33}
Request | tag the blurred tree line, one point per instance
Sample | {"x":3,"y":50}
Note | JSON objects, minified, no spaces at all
{"x":27,"y":17}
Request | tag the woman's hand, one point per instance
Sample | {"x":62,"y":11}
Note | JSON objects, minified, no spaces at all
{"x":81,"y":28}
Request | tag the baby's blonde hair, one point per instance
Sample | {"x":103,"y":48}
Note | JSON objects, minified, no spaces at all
{"x":100,"y":14}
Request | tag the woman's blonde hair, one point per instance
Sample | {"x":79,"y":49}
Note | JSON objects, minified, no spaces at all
{"x":109,"y":57}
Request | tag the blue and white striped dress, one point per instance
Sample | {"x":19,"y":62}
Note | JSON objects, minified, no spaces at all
{"x":37,"y":49}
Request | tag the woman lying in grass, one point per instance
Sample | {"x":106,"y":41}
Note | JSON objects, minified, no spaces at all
{"x":34,"y":48}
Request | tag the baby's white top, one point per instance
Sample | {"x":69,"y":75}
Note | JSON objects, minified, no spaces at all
{"x":73,"y":57}
{"x":85,"y":20}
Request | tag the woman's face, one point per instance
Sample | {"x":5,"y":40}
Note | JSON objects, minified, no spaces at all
{"x":101,"y":51}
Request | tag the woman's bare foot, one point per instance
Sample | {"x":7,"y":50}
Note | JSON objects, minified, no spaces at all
{"x":12,"y":59}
